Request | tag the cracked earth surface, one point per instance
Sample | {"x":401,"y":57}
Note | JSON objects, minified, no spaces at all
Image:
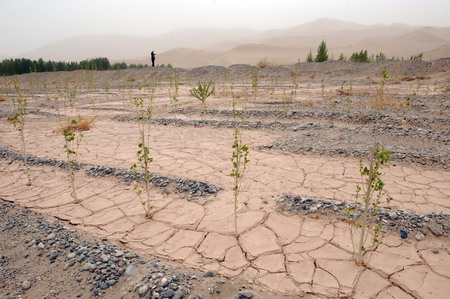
{"x":287,"y":253}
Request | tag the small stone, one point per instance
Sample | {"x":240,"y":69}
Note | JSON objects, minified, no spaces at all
{"x":111,"y":282}
{"x":88,"y":267}
{"x":202,"y":202}
{"x":71,"y":255}
{"x":313,"y":209}
{"x":209,"y":274}
{"x":129,"y":255}
{"x":435,"y":251}
{"x":168,"y":294}
{"x":164,"y":282}
{"x":130,"y":270}
{"x":41,"y":245}
{"x":392,"y":215}
{"x":434,"y":230}
{"x":54,"y":254}
{"x":143,"y":290}
{"x":51,"y":236}
{"x":119,"y":253}
{"x":26,"y":284}
{"x":337,"y":203}
{"x":104,"y":258}
{"x":81,"y":258}
{"x":245,"y":294}
{"x":403,"y":234}
{"x":103,"y":286}
{"x":178,"y":294}
{"x":419,"y":237}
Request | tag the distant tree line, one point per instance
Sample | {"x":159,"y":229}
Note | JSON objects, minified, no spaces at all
{"x":362,"y":56}
{"x":20,"y":66}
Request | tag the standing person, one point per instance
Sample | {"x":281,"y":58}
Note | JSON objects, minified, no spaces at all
{"x":153,"y":58}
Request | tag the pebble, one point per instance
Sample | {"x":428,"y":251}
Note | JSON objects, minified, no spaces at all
{"x":130,"y":270}
{"x":392,"y":215}
{"x":88,"y":267}
{"x":81,"y":258}
{"x":434,"y":230}
{"x":54,"y":254}
{"x":41,"y":245}
{"x":178,"y":294}
{"x":51,"y":236}
{"x":419,"y":237}
{"x":104,"y":258}
{"x":111,"y":282}
{"x":71,"y":255}
{"x":143,"y":290}
{"x":209,"y":274}
{"x":435,"y":251}
{"x":244,"y":294}
{"x":403,"y":234}
{"x":164,"y":282}
{"x":168,"y":294}
{"x":119,"y":253}
{"x":26,"y":285}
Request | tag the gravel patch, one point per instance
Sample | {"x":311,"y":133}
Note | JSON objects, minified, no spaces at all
{"x":90,"y":268}
{"x":393,"y":220}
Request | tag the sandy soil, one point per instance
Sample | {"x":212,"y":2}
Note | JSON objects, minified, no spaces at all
{"x":306,"y":145}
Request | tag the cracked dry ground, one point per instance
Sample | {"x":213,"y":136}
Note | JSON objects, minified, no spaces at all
{"x":288,"y":253}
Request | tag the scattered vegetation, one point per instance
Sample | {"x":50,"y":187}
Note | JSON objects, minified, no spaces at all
{"x":174,"y":86}
{"x":71,"y":131}
{"x":416,"y":57}
{"x":143,"y":154}
{"x":203,"y":91}
{"x":20,"y":107}
{"x":382,"y":98}
{"x":239,"y":160}
{"x":263,"y":64}
{"x":371,"y":191}
{"x":255,"y":82}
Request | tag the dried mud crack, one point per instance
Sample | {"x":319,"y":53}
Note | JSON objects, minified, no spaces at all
{"x":44,"y":258}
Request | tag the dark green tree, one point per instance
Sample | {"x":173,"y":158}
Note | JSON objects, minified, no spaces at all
{"x":322,"y":52}
{"x":309,"y":58}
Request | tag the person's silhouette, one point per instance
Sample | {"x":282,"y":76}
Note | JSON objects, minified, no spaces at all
{"x":153,"y":58}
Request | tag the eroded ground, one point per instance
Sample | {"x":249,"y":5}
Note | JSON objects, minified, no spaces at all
{"x":308,"y":145}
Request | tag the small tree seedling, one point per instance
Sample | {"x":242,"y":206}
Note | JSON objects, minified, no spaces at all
{"x":371,"y":191}
{"x":203,"y":91}
{"x":71,"y":132}
{"x":20,"y":107}
{"x":174,"y":86}
{"x":144,"y":115}
{"x":239,"y":161}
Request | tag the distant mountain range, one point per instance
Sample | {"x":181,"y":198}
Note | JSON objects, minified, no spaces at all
{"x":194,"y":47}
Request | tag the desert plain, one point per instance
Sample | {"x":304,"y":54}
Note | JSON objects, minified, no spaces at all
{"x":307,"y":127}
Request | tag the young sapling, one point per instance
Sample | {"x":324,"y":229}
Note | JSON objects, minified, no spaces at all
{"x":239,"y":160}
{"x":20,"y":107}
{"x":202,"y":91}
{"x":143,"y":154}
{"x":371,"y":191}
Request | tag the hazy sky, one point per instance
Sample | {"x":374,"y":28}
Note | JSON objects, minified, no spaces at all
{"x":27,"y":24}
